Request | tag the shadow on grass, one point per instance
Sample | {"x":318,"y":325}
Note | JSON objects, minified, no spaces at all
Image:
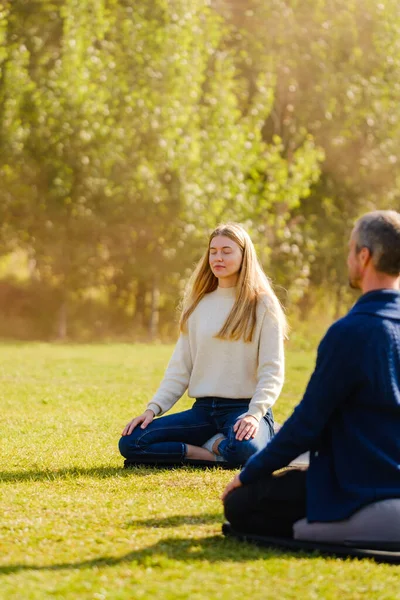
{"x":213,"y":549}
{"x":74,"y":472}
{"x":176,"y":521}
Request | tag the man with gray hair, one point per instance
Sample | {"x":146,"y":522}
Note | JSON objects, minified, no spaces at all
{"x":349,"y":418}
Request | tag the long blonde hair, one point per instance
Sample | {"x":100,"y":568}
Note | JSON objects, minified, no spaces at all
{"x":251,"y":285}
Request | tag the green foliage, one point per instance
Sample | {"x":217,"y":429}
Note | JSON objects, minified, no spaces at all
{"x":129,"y":130}
{"x":130,"y":133}
{"x":337,"y":73}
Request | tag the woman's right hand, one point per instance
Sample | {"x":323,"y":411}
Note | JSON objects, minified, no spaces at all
{"x":145,"y":419}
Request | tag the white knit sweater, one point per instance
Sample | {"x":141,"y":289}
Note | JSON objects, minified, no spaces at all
{"x":208,"y":366}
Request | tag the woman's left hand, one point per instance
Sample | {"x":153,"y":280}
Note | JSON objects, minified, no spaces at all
{"x":246,"y":428}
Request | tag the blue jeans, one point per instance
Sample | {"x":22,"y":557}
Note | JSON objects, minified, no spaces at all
{"x":165,"y":439}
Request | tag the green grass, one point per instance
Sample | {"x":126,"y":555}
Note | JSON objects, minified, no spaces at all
{"x":74,"y":524}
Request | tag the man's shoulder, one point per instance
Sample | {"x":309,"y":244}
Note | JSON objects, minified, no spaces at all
{"x":354,"y":331}
{"x":347,"y":331}
{"x":342,"y":325}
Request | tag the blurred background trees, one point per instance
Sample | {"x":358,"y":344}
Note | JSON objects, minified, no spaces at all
{"x":128,"y":130}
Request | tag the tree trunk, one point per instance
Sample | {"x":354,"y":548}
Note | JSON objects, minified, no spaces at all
{"x":155,"y":310}
{"x":140,"y":307}
{"x":62,"y":325}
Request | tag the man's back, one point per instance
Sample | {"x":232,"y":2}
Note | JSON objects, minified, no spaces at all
{"x":357,"y":457}
{"x":349,"y":417}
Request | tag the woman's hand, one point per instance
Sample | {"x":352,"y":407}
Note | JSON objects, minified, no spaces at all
{"x":246,"y":428}
{"x":232,"y":485}
{"x":145,"y":419}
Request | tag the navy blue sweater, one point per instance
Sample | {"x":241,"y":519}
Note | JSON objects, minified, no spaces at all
{"x":349,"y":417}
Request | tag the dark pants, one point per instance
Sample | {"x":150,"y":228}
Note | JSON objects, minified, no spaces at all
{"x":270,"y":506}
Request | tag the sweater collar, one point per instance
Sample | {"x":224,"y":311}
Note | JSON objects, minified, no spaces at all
{"x":380,"y":303}
{"x":229,"y":292}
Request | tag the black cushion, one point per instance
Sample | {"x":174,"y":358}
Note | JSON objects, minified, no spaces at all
{"x":388,"y":552}
{"x":169,"y":464}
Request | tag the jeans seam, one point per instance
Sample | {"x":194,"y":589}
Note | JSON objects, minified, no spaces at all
{"x":140,"y":438}
{"x":141,"y":451}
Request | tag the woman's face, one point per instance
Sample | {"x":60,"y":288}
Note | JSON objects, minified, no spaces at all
{"x":225,"y":258}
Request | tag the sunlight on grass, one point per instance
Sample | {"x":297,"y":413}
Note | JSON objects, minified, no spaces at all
{"x":75,"y":524}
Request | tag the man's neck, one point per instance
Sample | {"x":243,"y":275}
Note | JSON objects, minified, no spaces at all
{"x":379,"y":281}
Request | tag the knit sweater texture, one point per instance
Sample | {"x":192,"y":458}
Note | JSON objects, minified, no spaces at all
{"x":349,"y":417}
{"x":211,"y":367}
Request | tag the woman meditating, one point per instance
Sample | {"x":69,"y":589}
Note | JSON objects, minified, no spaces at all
{"x":230,"y":358}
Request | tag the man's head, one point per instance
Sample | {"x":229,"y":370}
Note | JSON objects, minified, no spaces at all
{"x":375,"y":247}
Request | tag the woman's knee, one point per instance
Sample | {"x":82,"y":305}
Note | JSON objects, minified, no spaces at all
{"x":238,"y":452}
{"x":129,"y":444}
{"x":124,"y":446}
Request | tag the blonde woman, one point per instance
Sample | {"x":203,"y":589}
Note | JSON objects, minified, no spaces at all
{"x":230,"y":358}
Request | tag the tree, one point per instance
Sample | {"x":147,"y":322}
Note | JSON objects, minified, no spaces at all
{"x":337,"y":78}
{"x":128,"y":132}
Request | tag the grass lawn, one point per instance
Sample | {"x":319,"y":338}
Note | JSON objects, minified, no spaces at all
{"x":75,"y":524}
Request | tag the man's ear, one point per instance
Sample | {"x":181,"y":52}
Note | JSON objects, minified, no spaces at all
{"x":364,"y":256}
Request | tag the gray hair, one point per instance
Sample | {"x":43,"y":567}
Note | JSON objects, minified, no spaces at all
{"x":379,"y":231}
